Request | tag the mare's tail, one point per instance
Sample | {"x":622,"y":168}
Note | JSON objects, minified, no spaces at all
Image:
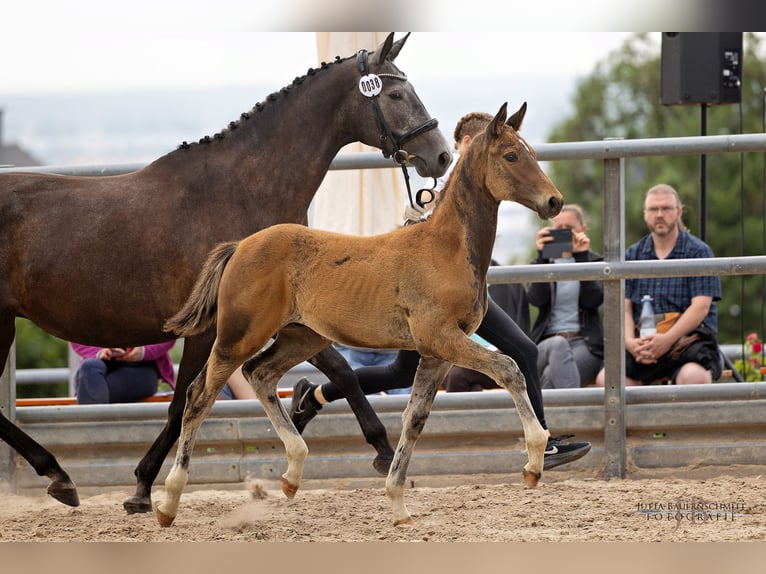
{"x":199,"y":311}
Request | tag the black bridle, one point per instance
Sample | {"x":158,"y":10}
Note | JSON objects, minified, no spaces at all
{"x":399,"y":154}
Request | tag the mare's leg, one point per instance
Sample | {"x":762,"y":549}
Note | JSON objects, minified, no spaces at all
{"x":332,"y":364}
{"x":294,"y":344}
{"x":196,"y":351}
{"x":45,"y":464}
{"x":427,"y":379}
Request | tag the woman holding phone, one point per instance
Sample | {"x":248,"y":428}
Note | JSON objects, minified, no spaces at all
{"x":568,"y":329}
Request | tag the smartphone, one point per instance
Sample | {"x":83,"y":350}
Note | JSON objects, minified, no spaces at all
{"x":562,"y":242}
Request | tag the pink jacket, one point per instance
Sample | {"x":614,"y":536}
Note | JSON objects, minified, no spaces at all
{"x":158,"y":353}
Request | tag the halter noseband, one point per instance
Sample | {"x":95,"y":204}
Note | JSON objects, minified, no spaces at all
{"x":370,"y":86}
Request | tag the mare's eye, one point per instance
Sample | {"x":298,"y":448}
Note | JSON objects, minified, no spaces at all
{"x":395,"y":95}
{"x":511,"y":156}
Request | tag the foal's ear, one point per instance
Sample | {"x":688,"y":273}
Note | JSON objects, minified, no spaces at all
{"x":389,"y":49}
{"x":495,"y":127}
{"x":515,"y":120}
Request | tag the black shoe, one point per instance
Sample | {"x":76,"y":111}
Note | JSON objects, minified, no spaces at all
{"x":302,"y":407}
{"x":558,"y":452}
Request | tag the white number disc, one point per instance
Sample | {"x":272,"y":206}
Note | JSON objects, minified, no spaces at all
{"x":370,"y":85}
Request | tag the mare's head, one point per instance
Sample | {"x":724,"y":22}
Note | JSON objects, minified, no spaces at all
{"x":512,"y":171}
{"x":399,"y":123}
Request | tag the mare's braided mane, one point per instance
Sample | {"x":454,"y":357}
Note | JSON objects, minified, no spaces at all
{"x":261,"y":106}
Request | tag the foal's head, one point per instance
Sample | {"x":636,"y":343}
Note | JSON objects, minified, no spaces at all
{"x":513,"y":173}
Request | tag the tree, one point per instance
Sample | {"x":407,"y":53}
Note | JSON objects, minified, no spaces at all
{"x":621,"y":98}
{"x":36,"y":349}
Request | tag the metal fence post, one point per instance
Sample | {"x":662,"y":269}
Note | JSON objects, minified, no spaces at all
{"x":8,"y":409}
{"x":615,"y":447}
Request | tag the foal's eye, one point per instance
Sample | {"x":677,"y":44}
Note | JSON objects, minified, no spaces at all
{"x":395,"y":95}
{"x":511,"y":156}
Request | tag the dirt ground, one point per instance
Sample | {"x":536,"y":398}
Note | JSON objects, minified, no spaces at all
{"x":703,"y":504}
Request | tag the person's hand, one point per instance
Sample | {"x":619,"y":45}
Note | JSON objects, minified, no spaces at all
{"x":110,"y":353}
{"x":648,"y":350}
{"x":580,"y":241}
{"x":133,"y":354}
{"x":543,"y":236}
{"x":413,"y":213}
{"x":121,"y":354}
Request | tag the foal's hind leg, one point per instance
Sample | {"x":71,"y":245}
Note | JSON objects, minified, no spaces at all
{"x":430,"y":373}
{"x":294,"y":344}
{"x":332,"y":364}
{"x":196,"y":352}
{"x":199,"y":401}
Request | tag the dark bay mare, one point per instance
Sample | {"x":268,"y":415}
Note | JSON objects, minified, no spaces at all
{"x":287,"y":285}
{"x":106,"y":260}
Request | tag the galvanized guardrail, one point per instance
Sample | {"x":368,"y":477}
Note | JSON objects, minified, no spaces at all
{"x":467,"y":433}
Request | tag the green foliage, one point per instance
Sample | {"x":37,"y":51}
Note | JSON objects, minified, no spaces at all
{"x":36,"y":349}
{"x":621,"y":98}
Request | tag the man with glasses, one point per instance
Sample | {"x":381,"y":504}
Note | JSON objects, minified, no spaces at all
{"x":684,"y":350}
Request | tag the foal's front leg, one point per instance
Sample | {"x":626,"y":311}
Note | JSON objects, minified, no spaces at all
{"x":427,"y":379}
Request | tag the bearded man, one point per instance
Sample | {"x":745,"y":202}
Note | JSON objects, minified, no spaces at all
{"x":684,"y":350}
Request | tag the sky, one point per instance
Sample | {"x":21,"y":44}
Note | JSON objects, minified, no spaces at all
{"x":96,"y":60}
{"x":83,"y":45}
{"x":93,"y":45}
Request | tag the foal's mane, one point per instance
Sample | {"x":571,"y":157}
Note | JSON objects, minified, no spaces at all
{"x":263,"y":105}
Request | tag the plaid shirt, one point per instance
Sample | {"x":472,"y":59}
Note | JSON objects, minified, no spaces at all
{"x":673,"y":293}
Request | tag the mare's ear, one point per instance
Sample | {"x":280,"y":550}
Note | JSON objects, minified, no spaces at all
{"x":515,"y":120}
{"x":495,"y":127}
{"x":389,"y":49}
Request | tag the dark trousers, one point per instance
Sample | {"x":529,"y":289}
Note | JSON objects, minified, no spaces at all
{"x":101,"y":382}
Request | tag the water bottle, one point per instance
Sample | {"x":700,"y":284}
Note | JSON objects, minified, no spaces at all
{"x":646,"y":324}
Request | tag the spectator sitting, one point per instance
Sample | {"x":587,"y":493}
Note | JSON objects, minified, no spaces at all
{"x":687,"y":351}
{"x":568,"y":330}
{"x":121,"y":375}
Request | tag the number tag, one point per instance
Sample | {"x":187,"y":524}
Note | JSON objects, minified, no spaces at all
{"x":370,"y":85}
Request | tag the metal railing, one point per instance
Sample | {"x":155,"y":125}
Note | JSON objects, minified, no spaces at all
{"x":613,"y":270}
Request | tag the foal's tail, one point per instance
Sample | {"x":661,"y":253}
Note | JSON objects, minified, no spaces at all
{"x":199,"y":311}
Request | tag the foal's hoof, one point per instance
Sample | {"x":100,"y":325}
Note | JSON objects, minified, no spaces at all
{"x":64,"y":492}
{"x":382,"y":463}
{"x":404,"y":521}
{"x":164,"y":519}
{"x":530,"y":478}
{"x":289,"y":489}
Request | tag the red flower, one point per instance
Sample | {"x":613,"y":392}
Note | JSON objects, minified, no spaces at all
{"x":757,"y":348}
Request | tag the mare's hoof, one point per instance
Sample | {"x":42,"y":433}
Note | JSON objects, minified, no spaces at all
{"x":382,"y":464}
{"x":289,"y":489}
{"x":64,"y":492}
{"x":137,"y":504}
{"x":164,"y":519}
{"x":530,"y":478}
{"x":404,"y":521}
